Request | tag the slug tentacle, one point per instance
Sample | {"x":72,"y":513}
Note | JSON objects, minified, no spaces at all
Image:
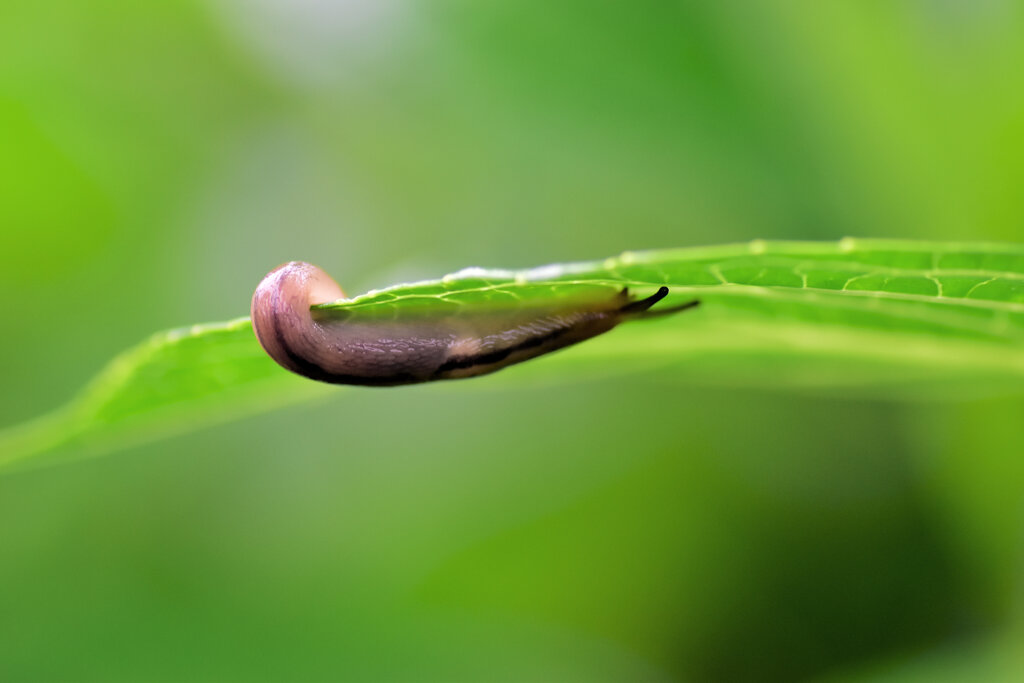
{"x":642,"y":305}
{"x":378,"y":352}
{"x":669,"y":310}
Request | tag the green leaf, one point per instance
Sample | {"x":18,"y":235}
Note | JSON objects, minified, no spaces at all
{"x":174,"y":382}
{"x":893,"y":319}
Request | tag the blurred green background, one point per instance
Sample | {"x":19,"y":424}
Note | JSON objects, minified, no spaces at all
{"x":156,"y":159}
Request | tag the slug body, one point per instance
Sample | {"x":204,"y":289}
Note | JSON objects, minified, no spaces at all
{"x":378,"y":352}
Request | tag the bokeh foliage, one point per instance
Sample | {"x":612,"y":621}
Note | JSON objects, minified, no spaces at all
{"x":159,"y":158}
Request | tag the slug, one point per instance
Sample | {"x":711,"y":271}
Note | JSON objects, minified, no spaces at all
{"x":382,"y":352}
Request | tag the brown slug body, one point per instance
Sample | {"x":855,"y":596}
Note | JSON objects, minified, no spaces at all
{"x":391,"y":352}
